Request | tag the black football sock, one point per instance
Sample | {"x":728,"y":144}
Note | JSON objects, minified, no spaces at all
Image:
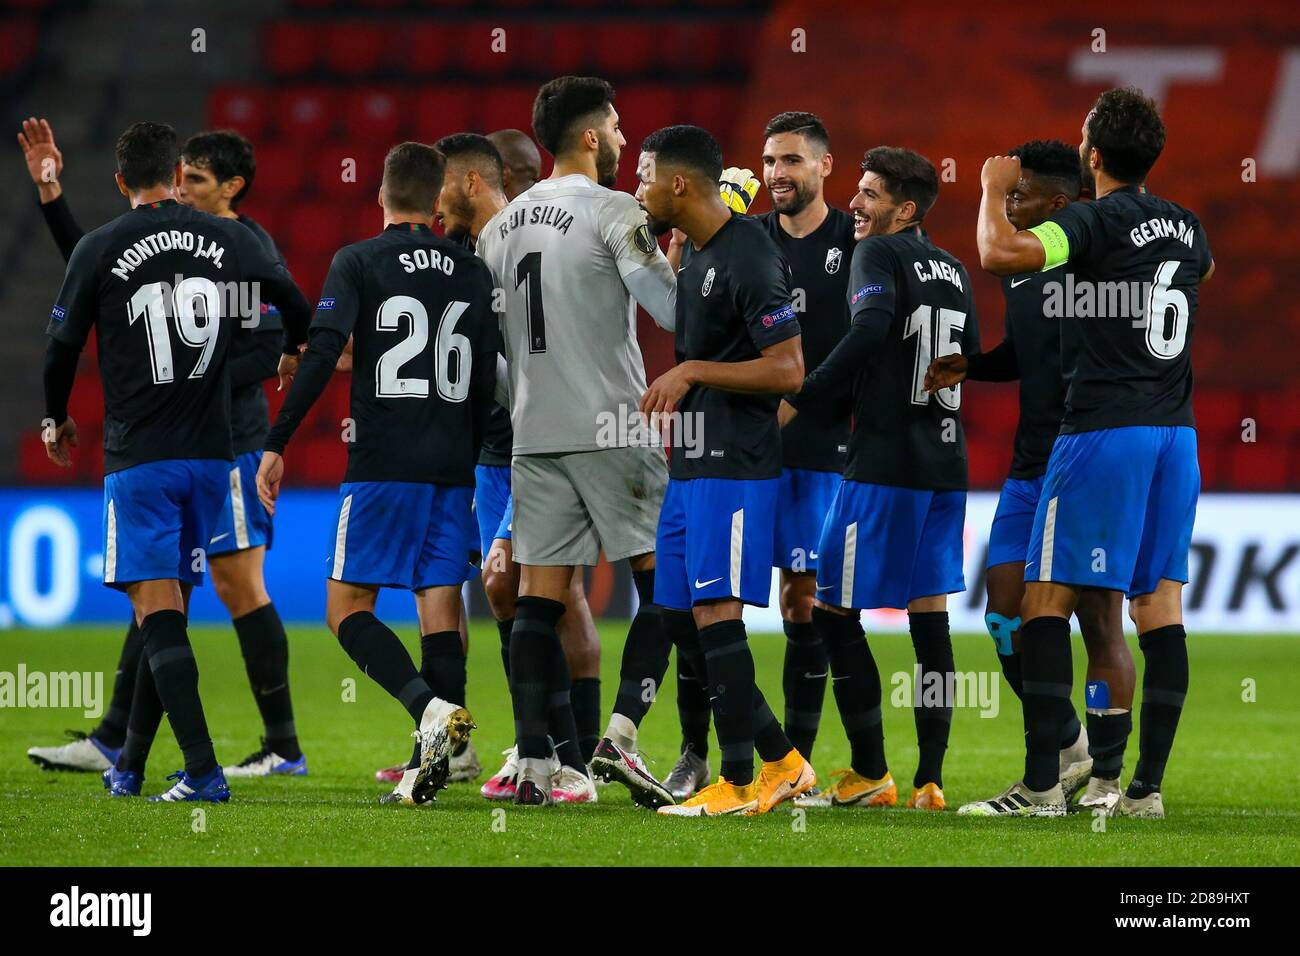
{"x":692,"y":682}
{"x":804,"y":679}
{"x":769,"y":738}
{"x":382,"y":657}
{"x":442,"y":665}
{"x":265,"y":647}
{"x":693,"y":710}
{"x":561,"y":720}
{"x":1011,"y":670}
{"x":856,"y":686}
{"x":176,"y":677}
{"x":1048,"y":671}
{"x":1164,"y":688}
{"x":504,"y":628}
{"x":145,"y":717}
{"x":1107,"y":738}
{"x":585,"y":695}
{"x":645,"y":655}
{"x":730,"y":668}
{"x":933,"y":646}
{"x":534,"y":649}
{"x":112,"y":728}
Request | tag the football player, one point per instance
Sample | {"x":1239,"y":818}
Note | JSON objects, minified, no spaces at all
{"x":1119,"y":497}
{"x":423,"y":371}
{"x":893,"y":538}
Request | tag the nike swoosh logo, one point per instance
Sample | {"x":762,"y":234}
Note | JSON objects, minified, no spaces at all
{"x":824,"y":587}
{"x":219,"y":537}
{"x":815,"y":676}
{"x":708,"y":582}
{"x":267,"y":693}
{"x":1014,"y":283}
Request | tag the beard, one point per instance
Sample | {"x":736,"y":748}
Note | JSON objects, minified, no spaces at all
{"x":797,"y":201}
{"x":657,"y":227}
{"x":606,"y":164}
{"x":457,"y":219}
{"x":1086,"y":178}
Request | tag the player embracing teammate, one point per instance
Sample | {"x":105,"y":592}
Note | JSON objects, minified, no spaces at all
{"x":1119,"y":498}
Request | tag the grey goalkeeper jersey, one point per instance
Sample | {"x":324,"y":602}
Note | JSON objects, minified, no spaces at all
{"x":570,"y":260}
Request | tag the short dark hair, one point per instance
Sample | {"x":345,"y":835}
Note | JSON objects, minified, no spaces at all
{"x":412,"y":177}
{"x":807,"y":125}
{"x":1126,"y":128}
{"x":563,"y":104}
{"x":691,"y":146}
{"x":227,"y":154}
{"x":478,"y":149}
{"x":907,"y":175}
{"x":1054,"y":161}
{"x":146,"y":155}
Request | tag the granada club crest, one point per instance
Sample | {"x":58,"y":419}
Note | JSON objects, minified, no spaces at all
{"x":833,"y":257}
{"x":708,"y":281}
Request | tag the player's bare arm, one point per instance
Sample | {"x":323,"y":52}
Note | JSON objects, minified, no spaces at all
{"x":43,"y":158}
{"x":1004,"y":249}
{"x":779,"y":369}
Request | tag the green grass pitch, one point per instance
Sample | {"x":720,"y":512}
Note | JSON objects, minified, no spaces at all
{"x":1230,"y":789}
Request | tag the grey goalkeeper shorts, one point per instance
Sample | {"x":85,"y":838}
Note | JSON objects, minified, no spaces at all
{"x":569,"y":506}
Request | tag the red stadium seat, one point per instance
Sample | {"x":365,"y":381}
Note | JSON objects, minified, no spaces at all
{"x":243,"y":109}
{"x":1259,"y":466}
{"x":505,"y":105}
{"x":710,"y":106}
{"x":280,"y":171}
{"x":1211,"y":455}
{"x":292,"y":49}
{"x":432,"y":49}
{"x":17,"y":44}
{"x":306,"y":115}
{"x":315,"y":461}
{"x":644,"y":108}
{"x":477,"y":56}
{"x":316,"y":228}
{"x":988,"y":462}
{"x":355,"y":49}
{"x":1218,"y":412}
{"x":375,"y":114}
{"x":348,"y":171}
{"x":990,"y":410}
{"x":623,"y":48}
{"x":440,"y":110}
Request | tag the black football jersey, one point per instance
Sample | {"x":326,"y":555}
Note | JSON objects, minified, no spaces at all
{"x":1129,"y":313}
{"x":163,"y":285}
{"x":499,"y":439}
{"x":733,"y":301}
{"x":419,"y":309}
{"x":819,"y":277}
{"x":902,"y":435}
{"x":1036,"y":342}
{"x":249,"y":413}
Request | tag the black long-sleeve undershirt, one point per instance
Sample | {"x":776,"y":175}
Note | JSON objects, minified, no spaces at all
{"x":998,"y":364}
{"x":258,"y":363}
{"x":830,"y":382}
{"x":63,"y":227}
{"x":323,"y":351}
{"x":60,"y":372}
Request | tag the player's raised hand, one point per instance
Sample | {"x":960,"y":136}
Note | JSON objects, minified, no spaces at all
{"x":59,"y":440}
{"x":288,"y":369}
{"x":946,"y":371}
{"x":1000,"y":174}
{"x":43,"y":158}
{"x":667,"y":390}
{"x":738,"y":187}
{"x":269,"y":475}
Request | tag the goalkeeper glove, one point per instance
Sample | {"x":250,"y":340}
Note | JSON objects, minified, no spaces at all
{"x":738,"y":187}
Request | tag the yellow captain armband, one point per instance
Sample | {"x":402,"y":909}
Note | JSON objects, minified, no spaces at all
{"x":1056,"y":244}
